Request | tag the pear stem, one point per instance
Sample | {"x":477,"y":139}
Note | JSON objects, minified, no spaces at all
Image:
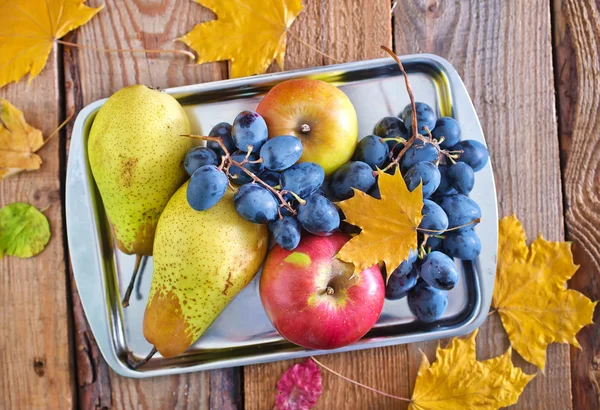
{"x":136,"y":268}
{"x":228,"y":161}
{"x":135,"y":364}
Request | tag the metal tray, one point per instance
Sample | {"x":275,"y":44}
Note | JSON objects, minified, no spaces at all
{"x":242,"y":334}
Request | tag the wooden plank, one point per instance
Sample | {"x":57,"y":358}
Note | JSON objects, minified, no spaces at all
{"x":349,"y":31}
{"x":91,"y":75}
{"x":502,"y":50}
{"x":577,"y":43}
{"x":34,"y":312}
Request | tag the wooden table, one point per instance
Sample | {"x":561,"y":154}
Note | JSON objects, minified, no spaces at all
{"x":531,"y":67}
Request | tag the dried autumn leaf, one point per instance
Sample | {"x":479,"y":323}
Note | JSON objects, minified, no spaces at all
{"x":456,"y":380}
{"x":248,"y":33}
{"x":389,"y":225}
{"x":530,"y":295}
{"x":24,"y":231}
{"x":28,"y":30}
{"x":18,"y":142}
{"x":299,"y":387}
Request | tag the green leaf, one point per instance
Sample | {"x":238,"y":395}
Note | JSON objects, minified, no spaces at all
{"x":24,"y":231}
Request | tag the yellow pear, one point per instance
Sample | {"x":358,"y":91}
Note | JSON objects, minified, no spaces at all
{"x":202,"y":260}
{"x":136,"y":155}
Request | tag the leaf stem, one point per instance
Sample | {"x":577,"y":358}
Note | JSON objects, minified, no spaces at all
{"x":126,"y":50}
{"x":433,"y":231}
{"x":60,"y":127}
{"x":304,"y":43}
{"x":360,"y":384}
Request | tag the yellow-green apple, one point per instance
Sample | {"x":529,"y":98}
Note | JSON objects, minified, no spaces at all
{"x":318,"y":113}
{"x":313,"y":299}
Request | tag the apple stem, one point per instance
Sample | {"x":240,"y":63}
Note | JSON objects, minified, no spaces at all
{"x":329,"y":290}
{"x":305,"y":128}
{"x":227,"y":162}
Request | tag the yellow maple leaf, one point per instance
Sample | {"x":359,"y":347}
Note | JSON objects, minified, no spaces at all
{"x":18,"y":142}
{"x":456,"y":380}
{"x":248,"y":33}
{"x":388,"y":225}
{"x":530,"y":295}
{"x":28,"y":30}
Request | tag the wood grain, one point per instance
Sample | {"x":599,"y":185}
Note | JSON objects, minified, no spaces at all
{"x":577,"y":43}
{"x":502,"y":50}
{"x":91,"y":75}
{"x":36,"y":368}
{"x":348,"y":31}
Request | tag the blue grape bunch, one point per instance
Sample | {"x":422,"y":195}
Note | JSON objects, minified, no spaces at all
{"x":271,"y":186}
{"x":428,"y":151}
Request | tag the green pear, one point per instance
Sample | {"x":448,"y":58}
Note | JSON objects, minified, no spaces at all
{"x":202,"y":260}
{"x":136,"y":154}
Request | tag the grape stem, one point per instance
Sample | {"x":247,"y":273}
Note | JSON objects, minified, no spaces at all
{"x":415,"y":129}
{"x":228,"y":161}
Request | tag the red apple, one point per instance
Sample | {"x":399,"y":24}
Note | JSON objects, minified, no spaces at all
{"x":312,"y":298}
{"x":318,"y":113}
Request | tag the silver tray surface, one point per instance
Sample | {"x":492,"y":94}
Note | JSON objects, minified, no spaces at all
{"x":242,"y":334}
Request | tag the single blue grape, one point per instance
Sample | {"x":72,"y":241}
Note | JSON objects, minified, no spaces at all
{"x":424,"y":172}
{"x":445,"y":187}
{"x":249,"y":130}
{"x":418,"y":152}
{"x":407,"y":265}
{"x":434,"y":243}
{"x":243,"y":178}
{"x":197,"y":157}
{"x":356,"y":174}
{"x":375,"y":192}
{"x":460,"y":210}
{"x":223,"y":131}
{"x":427,"y":303}
{"x":463,"y":245}
{"x":270,"y":178}
{"x":319,"y":216}
{"x":425,"y":118}
{"x":475,"y":154}
{"x":439,"y":271}
{"x":372,"y":151}
{"x":281,"y":152}
{"x":206,"y":187}
{"x":448,"y":128}
{"x":303,"y":179}
{"x":434,"y":217}
{"x":286,"y":232}
{"x":256,"y":203}
{"x":391,"y":127}
{"x":398,"y":286}
{"x":462,"y":177}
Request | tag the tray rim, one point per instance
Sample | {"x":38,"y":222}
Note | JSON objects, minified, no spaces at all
{"x":87,"y":285}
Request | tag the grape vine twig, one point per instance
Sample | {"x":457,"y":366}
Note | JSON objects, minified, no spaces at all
{"x":415,"y":129}
{"x":228,"y":161}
